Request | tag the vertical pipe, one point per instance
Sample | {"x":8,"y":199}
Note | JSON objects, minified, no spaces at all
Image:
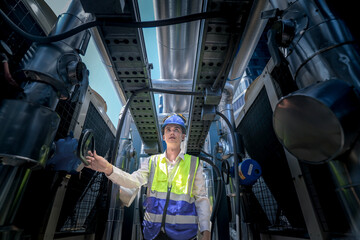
{"x":347,"y":180}
{"x":208,"y":174}
{"x":116,"y":213}
{"x":280,"y":4}
{"x":72,"y":18}
{"x":138,"y":210}
{"x":225,"y":108}
{"x":252,"y":33}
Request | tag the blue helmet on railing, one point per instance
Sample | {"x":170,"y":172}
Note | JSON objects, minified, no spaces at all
{"x":177,"y":119}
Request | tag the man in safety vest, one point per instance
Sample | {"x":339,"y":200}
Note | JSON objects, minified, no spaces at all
{"x":174,"y":183}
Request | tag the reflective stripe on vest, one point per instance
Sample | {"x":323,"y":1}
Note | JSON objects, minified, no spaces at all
{"x":181,"y":217}
{"x":172,"y":219}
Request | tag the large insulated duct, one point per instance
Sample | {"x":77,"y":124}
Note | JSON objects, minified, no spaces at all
{"x":324,"y":63}
{"x":320,"y":122}
{"x":250,"y":38}
{"x":177,"y":46}
{"x":322,"y":47}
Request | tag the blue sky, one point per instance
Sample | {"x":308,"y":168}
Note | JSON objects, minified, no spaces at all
{"x":99,"y":77}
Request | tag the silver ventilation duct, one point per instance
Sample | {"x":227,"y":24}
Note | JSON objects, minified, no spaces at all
{"x":177,"y":48}
{"x":252,"y":33}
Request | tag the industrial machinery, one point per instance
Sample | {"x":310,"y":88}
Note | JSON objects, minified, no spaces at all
{"x":270,"y":90}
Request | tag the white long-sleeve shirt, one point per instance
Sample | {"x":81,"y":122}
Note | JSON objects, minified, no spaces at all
{"x":140,"y":177}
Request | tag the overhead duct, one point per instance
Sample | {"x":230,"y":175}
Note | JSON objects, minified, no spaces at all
{"x":252,"y":33}
{"x":177,"y":46}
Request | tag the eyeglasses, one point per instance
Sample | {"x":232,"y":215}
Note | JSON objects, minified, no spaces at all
{"x":177,"y":114}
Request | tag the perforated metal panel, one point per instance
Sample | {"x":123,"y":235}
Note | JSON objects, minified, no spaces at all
{"x":126,"y":50}
{"x":213,"y":47}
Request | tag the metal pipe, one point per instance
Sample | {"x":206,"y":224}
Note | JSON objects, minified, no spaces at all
{"x":252,"y":33}
{"x":170,"y":84}
{"x":177,"y":48}
{"x":323,"y":47}
{"x":209,"y":179}
{"x":280,"y":4}
{"x":139,"y":211}
{"x":116,"y":215}
{"x":225,"y":108}
{"x":72,"y":18}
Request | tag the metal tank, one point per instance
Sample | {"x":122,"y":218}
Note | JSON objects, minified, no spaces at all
{"x":49,"y":71}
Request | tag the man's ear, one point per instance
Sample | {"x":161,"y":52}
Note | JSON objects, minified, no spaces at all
{"x":183,"y":137}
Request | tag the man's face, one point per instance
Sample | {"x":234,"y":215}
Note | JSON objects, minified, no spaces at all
{"x":173,"y":134}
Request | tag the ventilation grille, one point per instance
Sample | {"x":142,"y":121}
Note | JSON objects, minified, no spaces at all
{"x":18,"y":13}
{"x":104,"y":138}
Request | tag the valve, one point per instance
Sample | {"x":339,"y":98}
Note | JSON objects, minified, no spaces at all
{"x":223,"y":147}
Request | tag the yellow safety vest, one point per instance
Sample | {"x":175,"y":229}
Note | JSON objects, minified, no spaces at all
{"x":181,"y":216}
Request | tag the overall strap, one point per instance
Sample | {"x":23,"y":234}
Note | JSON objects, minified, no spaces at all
{"x":170,"y":179}
{"x":162,"y":228}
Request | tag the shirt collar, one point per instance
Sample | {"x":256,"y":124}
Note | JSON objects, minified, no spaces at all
{"x":181,"y":156}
